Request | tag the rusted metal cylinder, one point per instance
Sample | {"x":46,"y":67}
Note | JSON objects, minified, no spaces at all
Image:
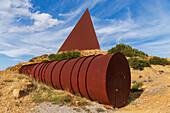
{"x":65,"y":76}
{"x":33,"y":70}
{"x":37,"y":71}
{"x":82,"y":77}
{"x":48,"y":72}
{"x":75,"y":74}
{"x":102,"y":78}
{"x":41,"y":71}
{"x":108,"y":79}
{"x":56,"y":74}
{"x":44,"y":70}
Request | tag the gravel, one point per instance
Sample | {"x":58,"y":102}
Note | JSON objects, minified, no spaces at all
{"x":47,"y":107}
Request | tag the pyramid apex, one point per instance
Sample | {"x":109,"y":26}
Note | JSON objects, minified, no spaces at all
{"x":82,"y":37}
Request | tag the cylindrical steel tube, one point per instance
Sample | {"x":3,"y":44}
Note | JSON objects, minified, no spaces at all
{"x":102,"y":78}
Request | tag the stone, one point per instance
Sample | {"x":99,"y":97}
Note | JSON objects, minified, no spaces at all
{"x":18,"y":93}
{"x":168,"y":86}
{"x":144,"y":81}
{"x":134,"y":81}
{"x":149,"y":77}
{"x":150,"y":80}
{"x":140,"y":76}
{"x":108,"y":106}
{"x":161,"y":71}
{"x":29,"y":84}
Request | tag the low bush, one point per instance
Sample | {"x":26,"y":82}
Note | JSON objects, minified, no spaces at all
{"x":159,"y":61}
{"x":51,"y":56}
{"x":136,"y":86}
{"x":127,"y":51}
{"x":45,"y":61}
{"x":136,"y":63}
{"x":65,"y":55}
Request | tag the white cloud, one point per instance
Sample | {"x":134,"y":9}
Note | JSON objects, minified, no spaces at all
{"x":10,"y":9}
{"x":41,"y":22}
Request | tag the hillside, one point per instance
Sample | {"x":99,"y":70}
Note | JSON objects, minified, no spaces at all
{"x":153,"y":96}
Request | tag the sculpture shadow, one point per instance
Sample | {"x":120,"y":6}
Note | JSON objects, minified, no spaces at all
{"x":134,"y":95}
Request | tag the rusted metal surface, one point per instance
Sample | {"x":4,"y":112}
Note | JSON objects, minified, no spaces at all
{"x":41,"y":71}
{"x":56,"y":74}
{"x":82,"y":77}
{"x":75,"y":74}
{"x":65,"y":76}
{"x":102,"y":78}
{"x":48,"y":73}
{"x":33,"y":70}
{"x":82,"y":37}
{"x":44,"y":70}
{"x":37,"y":71}
{"x":106,"y":71}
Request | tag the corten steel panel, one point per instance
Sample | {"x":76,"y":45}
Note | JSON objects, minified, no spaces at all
{"x":82,"y":37}
{"x":33,"y":70}
{"x":38,"y":70}
{"x":75,"y":74}
{"x":48,"y":72}
{"x":82,"y":77}
{"x":30,"y":69}
{"x":44,"y":70}
{"x":21,"y":70}
{"x":56,"y":74}
{"x":41,"y":70}
{"x":101,"y":79}
{"x":65,"y":76}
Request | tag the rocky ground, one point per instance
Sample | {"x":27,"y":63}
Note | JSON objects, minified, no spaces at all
{"x":153,"y":97}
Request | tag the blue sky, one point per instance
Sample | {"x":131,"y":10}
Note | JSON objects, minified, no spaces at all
{"x":29,"y":28}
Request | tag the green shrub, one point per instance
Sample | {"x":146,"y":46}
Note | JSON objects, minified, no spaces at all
{"x":159,"y":61}
{"x":127,"y":51}
{"x":51,"y":56}
{"x":45,"y":61}
{"x":136,"y":86}
{"x":138,"y":64}
{"x":65,"y":55}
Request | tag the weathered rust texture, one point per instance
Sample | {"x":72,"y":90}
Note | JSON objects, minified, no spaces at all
{"x":37,"y":72}
{"x":56,"y":74}
{"x":43,"y":72}
{"x":48,"y":72}
{"x":75,"y":74}
{"x":82,"y":37}
{"x":102,"y":78}
{"x":65,"y":76}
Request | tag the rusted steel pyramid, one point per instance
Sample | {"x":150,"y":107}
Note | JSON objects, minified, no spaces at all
{"x":82,"y":37}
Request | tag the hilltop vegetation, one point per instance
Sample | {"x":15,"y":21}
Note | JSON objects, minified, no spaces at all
{"x":127,"y":51}
{"x":65,"y":55}
{"x":138,"y":59}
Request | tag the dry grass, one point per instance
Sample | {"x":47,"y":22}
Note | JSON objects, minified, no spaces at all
{"x":33,"y":95}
